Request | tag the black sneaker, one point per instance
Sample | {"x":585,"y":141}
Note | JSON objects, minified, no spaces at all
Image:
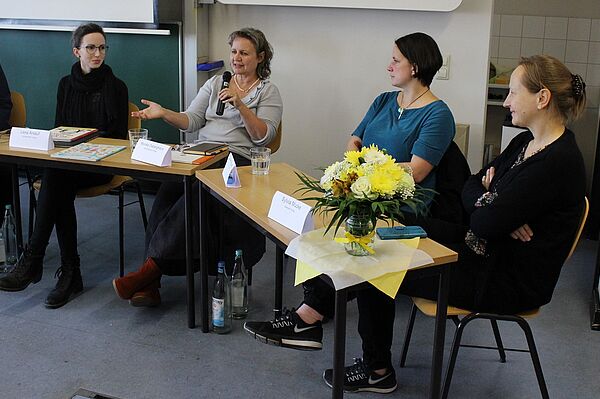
{"x":357,"y":378}
{"x":288,"y":331}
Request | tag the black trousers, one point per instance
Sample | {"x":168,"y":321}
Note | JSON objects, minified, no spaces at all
{"x":6,"y":189}
{"x":56,"y":208}
{"x":165,"y":235}
{"x":377,"y":310}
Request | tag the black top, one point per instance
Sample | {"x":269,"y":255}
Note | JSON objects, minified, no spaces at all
{"x":96,"y":100}
{"x":546,"y":192}
{"x":5,"y":103}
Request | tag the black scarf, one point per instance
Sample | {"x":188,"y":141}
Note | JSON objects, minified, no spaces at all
{"x":100,"y":80}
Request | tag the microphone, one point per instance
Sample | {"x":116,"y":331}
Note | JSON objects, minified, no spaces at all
{"x":221,"y":104}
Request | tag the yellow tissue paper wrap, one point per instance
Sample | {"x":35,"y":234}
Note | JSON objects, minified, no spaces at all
{"x":317,"y":253}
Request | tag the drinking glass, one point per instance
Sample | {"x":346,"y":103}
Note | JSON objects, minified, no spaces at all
{"x":135,"y":135}
{"x":261,"y":160}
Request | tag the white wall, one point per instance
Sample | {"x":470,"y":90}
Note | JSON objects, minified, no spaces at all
{"x":330,"y":64}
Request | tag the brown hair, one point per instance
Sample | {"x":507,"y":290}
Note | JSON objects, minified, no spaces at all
{"x":567,"y":90}
{"x":83,"y":30}
{"x":261,"y":45}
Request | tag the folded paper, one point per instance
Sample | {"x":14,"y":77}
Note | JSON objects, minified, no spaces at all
{"x":230,"y":174}
{"x":151,"y":152}
{"x":31,"y":139}
{"x":291,"y":213}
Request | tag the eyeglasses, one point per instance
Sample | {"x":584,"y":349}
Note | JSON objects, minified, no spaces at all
{"x":91,"y":49}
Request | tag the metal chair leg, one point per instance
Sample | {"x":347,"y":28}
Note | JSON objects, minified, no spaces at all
{"x":534,"y":356}
{"x":121,"y":244}
{"x":408,"y":334}
{"x":498,"y":340}
{"x":142,"y":206}
{"x":454,"y":353}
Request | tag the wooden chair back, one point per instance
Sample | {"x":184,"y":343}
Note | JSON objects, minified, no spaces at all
{"x":132,"y":122}
{"x":18,"y":114}
{"x":276,"y":142}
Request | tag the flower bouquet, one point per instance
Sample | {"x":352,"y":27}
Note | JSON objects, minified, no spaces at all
{"x":365,"y":186}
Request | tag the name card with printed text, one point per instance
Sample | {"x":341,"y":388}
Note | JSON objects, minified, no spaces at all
{"x":230,"y":174}
{"x":291,"y":213}
{"x":31,"y":139}
{"x":152,"y":152}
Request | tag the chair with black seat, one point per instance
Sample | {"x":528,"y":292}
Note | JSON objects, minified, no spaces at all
{"x":429,"y":307}
{"x":116,"y":186}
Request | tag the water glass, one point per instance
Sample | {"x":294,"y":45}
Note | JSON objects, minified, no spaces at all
{"x":135,"y":135}
{"x":261,"y":160}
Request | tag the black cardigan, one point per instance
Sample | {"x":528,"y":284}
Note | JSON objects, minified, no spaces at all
{"x":116,"y":128}
{"x":546,"y":192}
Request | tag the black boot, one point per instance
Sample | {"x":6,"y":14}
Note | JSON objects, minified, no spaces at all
{"x":28,"y":270}
{"x":69,"y":282}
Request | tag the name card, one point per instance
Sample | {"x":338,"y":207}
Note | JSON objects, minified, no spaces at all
{"x":151,"y":152}
{"x":31,"y":139}
{"x":292,"y":213}
{"x":230,"y":174}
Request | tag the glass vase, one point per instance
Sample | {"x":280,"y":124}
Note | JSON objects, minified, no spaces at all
{"x":359,"y":226}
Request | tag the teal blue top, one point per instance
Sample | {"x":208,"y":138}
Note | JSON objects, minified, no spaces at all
{"x":425,"y":132}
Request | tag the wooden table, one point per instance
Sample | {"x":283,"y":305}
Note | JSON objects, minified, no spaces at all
{"x":116,"y":164}
{"x":252,"y":202}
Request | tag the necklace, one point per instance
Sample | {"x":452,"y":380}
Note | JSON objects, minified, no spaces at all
{"x":249,"y":87}
{"x":401,"y":108}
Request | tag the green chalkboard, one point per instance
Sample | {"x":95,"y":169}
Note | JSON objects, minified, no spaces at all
{"x":34,"y":62}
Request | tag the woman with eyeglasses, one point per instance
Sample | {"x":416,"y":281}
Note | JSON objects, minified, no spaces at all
{"x":90,"y":96}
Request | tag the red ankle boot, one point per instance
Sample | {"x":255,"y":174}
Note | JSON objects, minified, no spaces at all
{"x":149,"y":296}
{"x":133,"y":282}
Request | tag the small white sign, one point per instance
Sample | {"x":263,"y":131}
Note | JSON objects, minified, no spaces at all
{"x":153,"y":153}
{"x":292,"y":213}
{"x":31,"y":139}
{"x":230,"y":174}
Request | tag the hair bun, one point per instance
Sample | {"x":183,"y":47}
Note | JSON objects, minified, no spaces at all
{"x":578,"y":85}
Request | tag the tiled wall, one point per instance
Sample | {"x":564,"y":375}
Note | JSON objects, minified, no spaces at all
{"x":575,"y":41}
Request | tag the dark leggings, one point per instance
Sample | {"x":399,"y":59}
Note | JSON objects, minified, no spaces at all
{"x":56,"y":207}
{"x":377,"y":310}
{"x":165,"y":235}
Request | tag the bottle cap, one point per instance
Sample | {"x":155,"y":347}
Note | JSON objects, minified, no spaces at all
{"x":238,"y":252}
{"x":8,"y":206}
{"x":221,"y":266}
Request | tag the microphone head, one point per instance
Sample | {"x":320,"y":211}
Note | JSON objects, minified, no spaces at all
{"x":226,"y":76}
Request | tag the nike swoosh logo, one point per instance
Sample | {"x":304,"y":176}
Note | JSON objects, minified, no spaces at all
{"x":375,"y":381}
{"x":299,"y":330}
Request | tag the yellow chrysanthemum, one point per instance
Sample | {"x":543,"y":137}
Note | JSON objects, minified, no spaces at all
{"x":353,"y":156}
{"x":382,"y":183}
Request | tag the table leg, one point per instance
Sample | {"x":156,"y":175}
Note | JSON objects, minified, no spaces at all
{"x":595,"y":305}
{"x":279,"y":255}
{"x":203,"y":257}
{"x":189,"y":232}
{"x":17,"y":207}
{"x":339,"y":343}
{"x":440,"y":334}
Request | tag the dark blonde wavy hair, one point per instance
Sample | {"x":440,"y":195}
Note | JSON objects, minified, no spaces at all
{"x":261,"y":45}
{"x":567,"y":90}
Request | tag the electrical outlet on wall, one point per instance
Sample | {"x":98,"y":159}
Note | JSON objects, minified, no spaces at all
{"x":444,"y":72}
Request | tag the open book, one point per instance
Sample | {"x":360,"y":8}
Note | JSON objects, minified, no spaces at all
{"x":88,"y":151}
{"x":67,"y":135}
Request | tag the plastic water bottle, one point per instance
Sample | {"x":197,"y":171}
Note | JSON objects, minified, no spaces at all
{"x":239,"y":287}
{"x":221,"y":302}
{"x":9,"y":235}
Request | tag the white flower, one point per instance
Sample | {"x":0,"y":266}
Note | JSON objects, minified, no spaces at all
{"x":374,"y":156}
{"x":333,"y":172}
{"x":362,"y":188}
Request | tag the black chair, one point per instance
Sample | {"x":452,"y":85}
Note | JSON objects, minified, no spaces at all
{"x":429,"y":308}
